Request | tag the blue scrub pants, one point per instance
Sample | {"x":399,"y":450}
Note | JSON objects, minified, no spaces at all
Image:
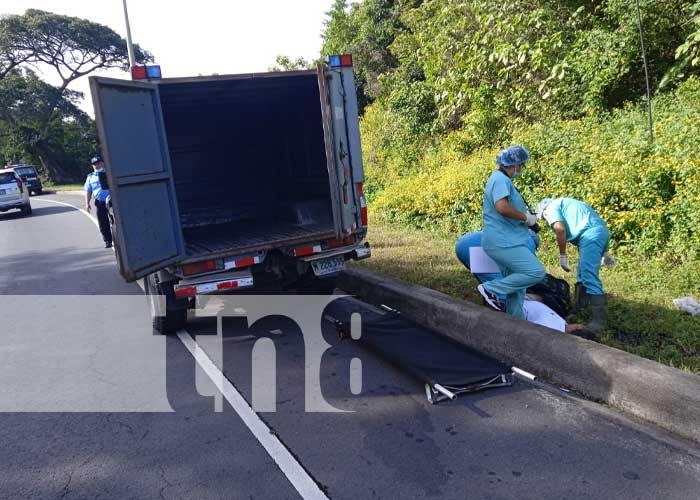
{"x":592,"y":244}
{"x":520,"y":269}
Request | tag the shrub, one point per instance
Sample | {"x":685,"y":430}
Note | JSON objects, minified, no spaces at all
{"x":648,"y":195}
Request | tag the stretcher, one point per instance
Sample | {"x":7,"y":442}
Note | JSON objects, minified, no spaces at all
{"x":446,"y":368}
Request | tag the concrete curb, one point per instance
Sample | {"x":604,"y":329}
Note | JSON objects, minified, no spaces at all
{"x":665,"y":396}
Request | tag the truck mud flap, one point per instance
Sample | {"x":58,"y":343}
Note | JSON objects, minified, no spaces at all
{"x":446,"y":367}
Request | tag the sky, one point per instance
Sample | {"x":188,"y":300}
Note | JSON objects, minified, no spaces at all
{"x":189,"y":38}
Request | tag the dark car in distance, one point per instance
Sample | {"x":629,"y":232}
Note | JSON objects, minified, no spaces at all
{"x":30,"y":177}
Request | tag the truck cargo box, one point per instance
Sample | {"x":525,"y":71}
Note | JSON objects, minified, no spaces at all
{"x":205,"y":167}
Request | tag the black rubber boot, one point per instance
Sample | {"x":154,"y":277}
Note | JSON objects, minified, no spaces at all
{"x":581,"y":298}
{"x":599,"y":313}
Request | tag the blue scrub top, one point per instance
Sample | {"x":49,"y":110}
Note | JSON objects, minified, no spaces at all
{"x":576,"y":215}
{"x":500,"y":231}
{"x":92,"y":185}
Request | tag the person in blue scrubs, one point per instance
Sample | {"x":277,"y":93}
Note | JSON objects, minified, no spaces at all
{"x":576,"y":222}
{"x":473,"y":239}
{"x":505,"y":235}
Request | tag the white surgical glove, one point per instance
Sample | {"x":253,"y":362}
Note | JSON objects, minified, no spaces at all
{"x":608,"y":260}
{"x":531,"y":219}
{"x":564,"y":263}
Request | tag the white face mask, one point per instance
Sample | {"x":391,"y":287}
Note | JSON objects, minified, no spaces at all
{"x":518,"y":171}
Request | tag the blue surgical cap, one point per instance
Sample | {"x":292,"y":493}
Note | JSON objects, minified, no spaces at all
{"x":514,"y":155}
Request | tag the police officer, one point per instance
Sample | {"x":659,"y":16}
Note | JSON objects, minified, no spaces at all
{"x":95,"y":187}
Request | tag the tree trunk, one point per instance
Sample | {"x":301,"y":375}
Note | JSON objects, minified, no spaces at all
{"x":51,"y":161}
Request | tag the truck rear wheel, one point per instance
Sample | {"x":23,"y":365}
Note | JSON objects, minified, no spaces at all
{"x":174,"y":317}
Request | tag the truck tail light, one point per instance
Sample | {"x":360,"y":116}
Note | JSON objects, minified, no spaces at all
{"x":200,"y":267}
{"x":363,"y":204}
{"x":335,"y":242}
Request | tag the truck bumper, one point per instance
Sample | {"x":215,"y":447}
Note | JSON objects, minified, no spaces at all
{"x":353,"y":252}
{"x":222,"y":283}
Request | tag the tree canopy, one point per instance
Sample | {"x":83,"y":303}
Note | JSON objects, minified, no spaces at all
{"x":36,"y":116}
{"x":486,"y":65}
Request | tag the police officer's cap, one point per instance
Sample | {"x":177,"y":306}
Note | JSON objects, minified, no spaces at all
{"x":96,"y":159}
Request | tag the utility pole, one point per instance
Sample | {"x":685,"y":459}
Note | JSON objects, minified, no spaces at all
{"x":129,"y":44}
{"x":646,"y":74}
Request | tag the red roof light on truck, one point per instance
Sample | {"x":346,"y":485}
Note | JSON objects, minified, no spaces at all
{"x":138,"y":73}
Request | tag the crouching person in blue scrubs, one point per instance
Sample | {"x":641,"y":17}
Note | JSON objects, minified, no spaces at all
{"x":576,"y":222}
{"x":470,"y":240}
{"x":505,"y":235}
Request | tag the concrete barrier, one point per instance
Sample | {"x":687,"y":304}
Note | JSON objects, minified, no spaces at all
{"x":665,"y":396}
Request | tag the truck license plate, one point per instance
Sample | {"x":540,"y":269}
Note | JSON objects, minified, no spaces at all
{"x":327,"y":266}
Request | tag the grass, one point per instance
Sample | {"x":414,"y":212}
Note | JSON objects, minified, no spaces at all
{"x":64,"y":187}
{"x":642,"y":317}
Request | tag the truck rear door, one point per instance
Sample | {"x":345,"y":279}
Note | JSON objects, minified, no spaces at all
{"x":342,"y":134}
{"x":147,"y":223}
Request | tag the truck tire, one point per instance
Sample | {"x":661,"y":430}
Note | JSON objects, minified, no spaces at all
{"x":174,"y":317}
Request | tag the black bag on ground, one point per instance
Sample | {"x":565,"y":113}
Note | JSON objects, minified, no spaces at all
{"x":555,"y":294}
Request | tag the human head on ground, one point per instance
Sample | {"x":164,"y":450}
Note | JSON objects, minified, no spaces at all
{"x":512,"y":160}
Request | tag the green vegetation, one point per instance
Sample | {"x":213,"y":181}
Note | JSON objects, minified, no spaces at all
{"x":65,"y":187}
{"x":445,"y":84}
{"x":649,"y":196}
{"x":41,"y":123}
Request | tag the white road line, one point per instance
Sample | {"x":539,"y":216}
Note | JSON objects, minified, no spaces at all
{"x":289,"y":466}
{"x":85,"y":212}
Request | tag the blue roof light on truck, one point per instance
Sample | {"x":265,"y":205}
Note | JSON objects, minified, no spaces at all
{"x":340,"y":61}
{"x":153,"y":71}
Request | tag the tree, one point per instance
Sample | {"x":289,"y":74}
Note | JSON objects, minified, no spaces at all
{"x":25,"y":102}
{"x":285,"y":63}
{"x":365,"y":30}
{"x":71,"y":47}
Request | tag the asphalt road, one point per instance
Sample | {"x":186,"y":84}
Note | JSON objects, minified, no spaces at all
{"x":94,"y":406}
